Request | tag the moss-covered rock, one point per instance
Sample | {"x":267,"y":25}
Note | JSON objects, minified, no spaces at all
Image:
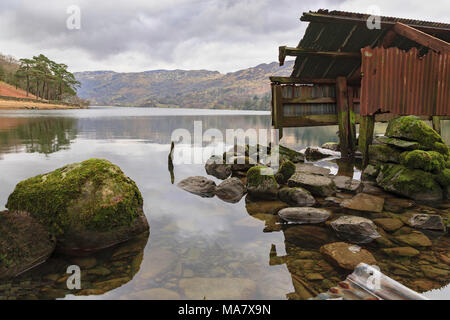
{"x":289,"y":154}
{"x":413,"y":129}
{"x":443,"y":178}
{"x":383,"y":153}
{"x":431,"y":161}
{"x":87,"y":206}
{"x":411,"y":183}
{"x":261,"y":183}
{"x":286,"y":170}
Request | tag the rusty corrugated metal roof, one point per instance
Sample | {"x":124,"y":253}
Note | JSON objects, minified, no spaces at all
{"x":343,"y":31}
{"x":404,"y":83}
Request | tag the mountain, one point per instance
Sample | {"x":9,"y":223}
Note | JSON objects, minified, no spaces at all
{"x":244,"y":89}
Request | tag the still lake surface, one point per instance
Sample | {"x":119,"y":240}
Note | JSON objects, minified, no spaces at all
{"x":193,"y":241}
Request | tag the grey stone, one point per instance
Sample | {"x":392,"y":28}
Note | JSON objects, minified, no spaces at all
{"x":198,"y":185}
{"x":355,"y":229}
{"x":231,"y":190}
{"x":303,"y":215}
{"x":296,"y":197}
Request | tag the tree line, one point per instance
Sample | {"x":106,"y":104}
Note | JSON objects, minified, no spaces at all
{"x":40,"y":76}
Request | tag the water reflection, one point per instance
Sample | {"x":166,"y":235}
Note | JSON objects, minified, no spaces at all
{"x":193,"y":241}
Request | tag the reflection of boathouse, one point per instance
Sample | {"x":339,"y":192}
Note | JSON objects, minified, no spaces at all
{"x":347,"y":73}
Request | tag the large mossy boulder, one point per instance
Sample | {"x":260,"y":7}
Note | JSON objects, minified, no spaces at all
{"x":412,"y":183}
{"x":412,"y":128}
{"x":286,"y":170}
{"x":24,"y":243}
{"x":88,"y":206}
{"x":261,"y":183}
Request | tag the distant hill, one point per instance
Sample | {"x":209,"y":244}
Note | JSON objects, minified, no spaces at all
{"x":244,"y":89}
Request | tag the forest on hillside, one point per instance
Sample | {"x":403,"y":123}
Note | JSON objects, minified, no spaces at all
{"x":40,"y":77}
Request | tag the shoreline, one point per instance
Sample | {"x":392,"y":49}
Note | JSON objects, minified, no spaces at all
{"x":31,"y":105}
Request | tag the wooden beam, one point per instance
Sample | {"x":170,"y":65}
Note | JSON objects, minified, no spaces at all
{"x":421,"y":37}
{"x":310,"y":121}
{"x":309,"y":100}
{"x":293,"y":80}
{"x":296,"y":52}
{"x":351,"y":119}
{"x":326,"y":18}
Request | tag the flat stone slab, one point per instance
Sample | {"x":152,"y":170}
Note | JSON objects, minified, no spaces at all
{"x":364,"y":202}
{"x":311,"y":169}
{"x":401,"y":252}
{"x":347,"y":184}
{"x":389,"y":224}
{"x":318,"y":185}
{"x":346,"y":255}
{"x":304,"y":215}
{"x":402,"y":144}
{"x":414,"y":239}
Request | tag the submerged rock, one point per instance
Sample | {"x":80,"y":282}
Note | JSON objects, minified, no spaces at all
{"x":316,"y":184}
{"x":24,"y":243}
{"x":308,"y":236}
{"x":398,"y":205}
{"x":346,"y":256}
{"x":427,"y":221}
{"x":88,"y":206}
{"x":199,"y":186}
{"x":364,"y":202}
{"x":304,"y":215}
{"x":231,"y":190}
{"x":296,"y":197}
{"x":414,"y":184}
{"x":401,"y":252}
{"x":414,"y":239}
{"x":261,"y":183}
{"x":388,"y":224}
{"x":355,"y":229}
{"x":216,"y":167}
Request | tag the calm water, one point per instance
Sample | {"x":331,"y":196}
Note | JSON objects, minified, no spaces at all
{"x":194,"y":243}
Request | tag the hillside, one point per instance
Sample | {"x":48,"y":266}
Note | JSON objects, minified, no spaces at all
{"x":8,"y":90}
{"x":244,"y":89}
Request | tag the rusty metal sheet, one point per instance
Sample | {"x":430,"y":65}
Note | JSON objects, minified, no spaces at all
{"x":405,"y":83}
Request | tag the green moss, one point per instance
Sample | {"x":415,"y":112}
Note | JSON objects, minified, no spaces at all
{"x":443,"y":178}
{"x":91,"y":195}
{"x":287,"y":169}
{"x":431,"y":161}
{"x":289,"y":154}
{"x":383,"y":153}
{"x":447,"y":164}
{"x":442,"y":149}
{"x":413,"y":129}
{"x":415,"y":184}
{"x":255,"y":178}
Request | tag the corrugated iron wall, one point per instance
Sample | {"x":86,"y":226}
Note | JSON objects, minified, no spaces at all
{"x":403,"y":83}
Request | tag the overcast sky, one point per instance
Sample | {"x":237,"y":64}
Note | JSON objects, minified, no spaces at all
{"x":138,"y":35}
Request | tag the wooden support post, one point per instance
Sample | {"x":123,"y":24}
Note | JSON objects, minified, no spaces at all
{"x":343,"y":117}
{"x":351,"y":120}
{"x":366,"y":129}
{"x":436,"y":124}
{"x":277,"y":116}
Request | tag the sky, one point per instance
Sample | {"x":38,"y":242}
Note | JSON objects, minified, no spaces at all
{"x":139,"y":35}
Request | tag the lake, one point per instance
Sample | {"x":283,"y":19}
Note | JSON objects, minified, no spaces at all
{"x":197,"y":247}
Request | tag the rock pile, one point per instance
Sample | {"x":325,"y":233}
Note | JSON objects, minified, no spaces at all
{"x":411,"y":160}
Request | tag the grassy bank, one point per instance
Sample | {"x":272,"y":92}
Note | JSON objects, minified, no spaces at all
{"x":12,"y":103}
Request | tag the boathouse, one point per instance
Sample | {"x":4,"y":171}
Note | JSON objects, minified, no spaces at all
{"x":347,"y":72}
